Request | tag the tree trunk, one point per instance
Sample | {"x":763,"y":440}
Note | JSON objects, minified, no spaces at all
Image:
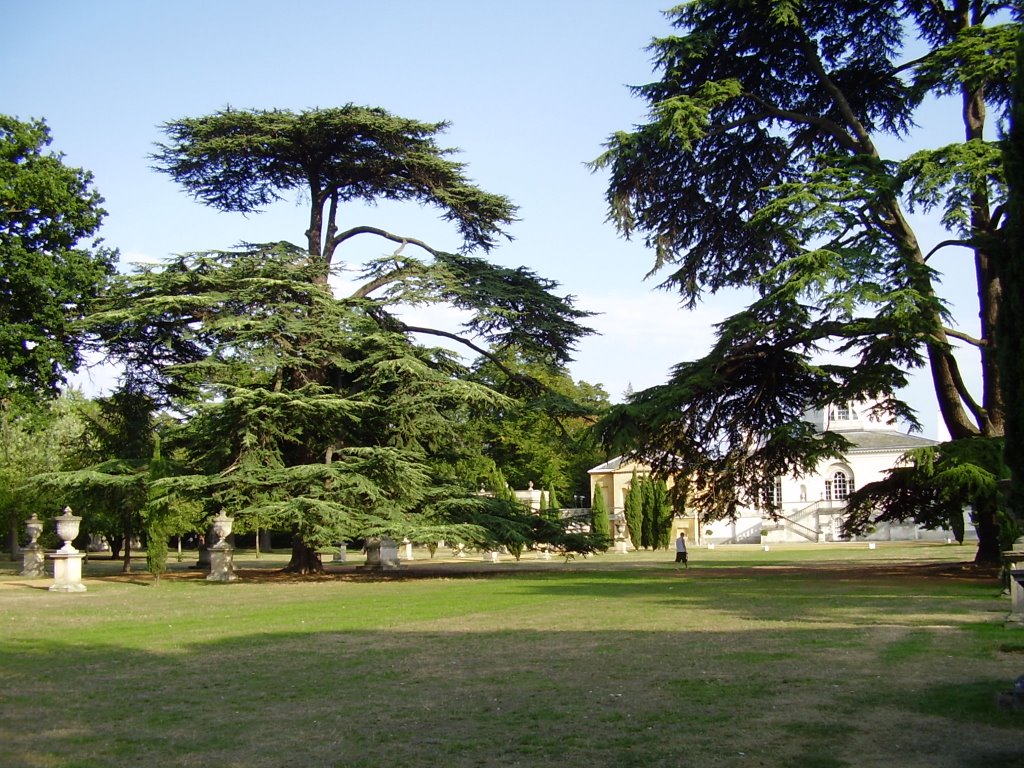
{"x":12,"y":539}
{"x":987,"y":526}
{"x":126,"y":565}
{"x":305,"y":559}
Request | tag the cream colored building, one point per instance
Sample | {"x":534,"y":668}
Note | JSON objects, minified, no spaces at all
{"x":811,"y":507}
{"x":612,"y":480}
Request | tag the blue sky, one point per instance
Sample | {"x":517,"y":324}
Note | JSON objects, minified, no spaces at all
{"x":532,"y":90}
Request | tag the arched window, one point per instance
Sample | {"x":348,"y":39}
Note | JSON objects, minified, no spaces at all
{"x":837,"y":487}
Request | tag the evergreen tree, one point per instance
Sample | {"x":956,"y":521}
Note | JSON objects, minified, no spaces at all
{"x":600,"y":525}
{"x":1011,"y":311}
{"x":761,"y":168}
{"x":120,"y":494}
{"x":648,"y":524}
{"x":662,"y":514}
{"x":552,"y":508}
{"x":319,"y":413}
{"x":634,"y":511}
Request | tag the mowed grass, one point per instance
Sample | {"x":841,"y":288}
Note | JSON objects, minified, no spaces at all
{"x":801,"y":656}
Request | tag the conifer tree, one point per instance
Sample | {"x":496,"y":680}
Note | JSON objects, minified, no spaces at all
{"x":552,"y":508}
{"x":1011,"y":312}
{"x":764,"y":165}
{"x":322,"y":413}
{"x":600,"y":525}
{"x":662,"y":514}
{"x":633,"y":508}
{"x":648,"y":525}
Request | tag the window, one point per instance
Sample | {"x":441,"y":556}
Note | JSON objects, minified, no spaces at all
{"x":837,"y":487}
{"x":843,"y":412}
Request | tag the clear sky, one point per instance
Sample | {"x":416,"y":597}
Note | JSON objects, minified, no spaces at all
{"x":532,"y":89}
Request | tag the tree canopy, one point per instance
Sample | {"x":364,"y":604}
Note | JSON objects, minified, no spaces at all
{"x":50,"y":272}
{"x":760,"y":168}
{"x":243,"y":160}
{"x":317,"y":413}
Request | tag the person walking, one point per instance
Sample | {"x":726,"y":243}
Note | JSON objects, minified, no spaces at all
{"x":681,"y":556}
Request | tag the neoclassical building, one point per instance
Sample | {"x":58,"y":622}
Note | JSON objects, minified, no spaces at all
{"x":811,"y":507}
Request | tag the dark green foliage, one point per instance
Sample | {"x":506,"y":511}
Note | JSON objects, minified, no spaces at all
{"x":758,"y":169}
{"x":243,"y":160}
{"x":934,"y":487}
{"x":117,"y":489}
{"x":306,"y":415}
{"x":662,"y":515}
{"x":552,"y":509}
{"x":48,"y":275}
{"x":35,"y":437}
{"x":544,"y":434}
{"x":1011,"y":310}
{"x":648,"y":536}
{"x":634,"y":511}
{"x":318,"y":415}
{"x":313,"y":419}
{"x":600,"y":525}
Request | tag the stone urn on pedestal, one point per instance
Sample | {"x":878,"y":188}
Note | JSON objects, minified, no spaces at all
{"x":222,"y":554}
{"x":381,"y":554}
{"x":33,"y":559}
{"x":67,"y":561}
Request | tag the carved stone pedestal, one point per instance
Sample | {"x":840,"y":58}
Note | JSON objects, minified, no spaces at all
{"x":67,"y":572}
{"x":222,"y":566}
{"x":1016,"y":592}
{"x":33,"y":562}
{"x":381,"y":554}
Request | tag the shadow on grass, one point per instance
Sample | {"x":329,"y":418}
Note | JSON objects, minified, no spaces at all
{"x":772,"y":697}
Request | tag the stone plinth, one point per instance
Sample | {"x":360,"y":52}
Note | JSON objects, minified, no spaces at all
{"x":67,"y":572}
{"x":1017,"y":590}
{"x":341,"y":555}
{"x":222,"y":566}
{"x":381,"y":554}
{"x":33,"y":562}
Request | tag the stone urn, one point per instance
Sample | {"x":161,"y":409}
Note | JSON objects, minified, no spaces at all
{"x":67,"y":529}
{"x":221,"y":527}
{"x":33,"y":562}
{"x":33,"y":527}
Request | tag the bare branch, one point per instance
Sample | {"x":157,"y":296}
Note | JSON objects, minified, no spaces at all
{"x":980,"y":343}
{"x":944,"y":244}
{"x":833,"y":129}
{"x":365,"y":230}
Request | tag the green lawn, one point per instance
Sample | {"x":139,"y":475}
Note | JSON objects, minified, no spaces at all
{"x":800,"y":656}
